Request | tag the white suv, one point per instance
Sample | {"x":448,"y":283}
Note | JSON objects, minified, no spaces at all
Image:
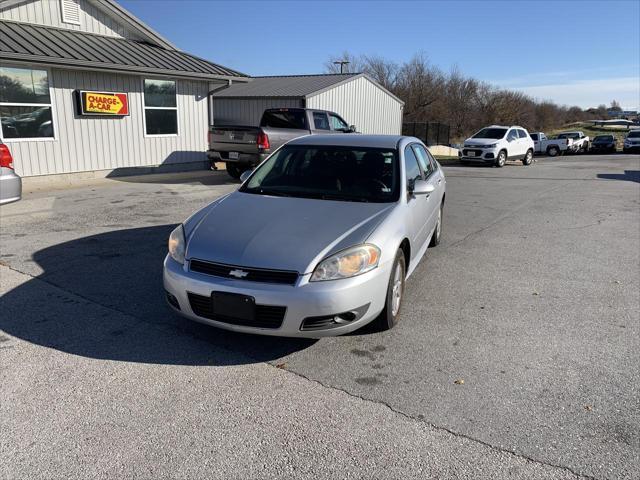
{"x":497,"y":144}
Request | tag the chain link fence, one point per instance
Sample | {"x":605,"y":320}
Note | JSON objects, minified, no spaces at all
{"x":431,"y":133}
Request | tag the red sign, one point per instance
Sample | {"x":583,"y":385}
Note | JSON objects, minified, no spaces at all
{"x":104,"y":103}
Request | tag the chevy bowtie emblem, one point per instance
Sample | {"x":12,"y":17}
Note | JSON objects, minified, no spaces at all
{"x":238,"y":273}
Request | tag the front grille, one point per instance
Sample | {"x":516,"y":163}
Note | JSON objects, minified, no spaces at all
{"x":262,"y":275}
{"x":478,"y":153}
{"x":267,"y":316}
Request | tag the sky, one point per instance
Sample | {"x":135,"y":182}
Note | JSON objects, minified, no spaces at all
{"x":574,"y":52}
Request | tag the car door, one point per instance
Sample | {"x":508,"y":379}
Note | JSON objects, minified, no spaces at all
{"x":419,"y":206}
{"x":433,"y":176}
{"x":524,"y":142}
{"x":513,"y":149}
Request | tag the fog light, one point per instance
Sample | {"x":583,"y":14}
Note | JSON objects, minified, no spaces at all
{"x":332,"y":321}
{"x":172,"y":300}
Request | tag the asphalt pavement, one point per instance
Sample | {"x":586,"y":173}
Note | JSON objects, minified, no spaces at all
{"x":517,"y":354}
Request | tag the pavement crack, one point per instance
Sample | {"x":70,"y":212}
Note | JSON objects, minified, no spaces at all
{"x":438,"y":427}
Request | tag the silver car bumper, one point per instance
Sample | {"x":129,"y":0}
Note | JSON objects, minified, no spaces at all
{"x":305,"y":299}
{"x":10,"y":186}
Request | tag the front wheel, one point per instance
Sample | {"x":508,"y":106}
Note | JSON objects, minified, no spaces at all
{"x":390,"y":314}
{"x":528,"y":158}
{"x":502,"y":159}
{"x":553,"y":151}
{"x":437,"y":232}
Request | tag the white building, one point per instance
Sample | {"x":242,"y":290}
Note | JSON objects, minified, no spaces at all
{"x":144,"y":103}
{"x":357,"y":98}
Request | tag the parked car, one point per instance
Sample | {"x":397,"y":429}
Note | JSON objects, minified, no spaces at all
{"x":604,"y":144}
{"x":549,"y":146}
{"x":317,"y":241}
{"x":631,"y":141}
{"x":497,"y":144}
{"x":242,"y":147}
{"x":10,"y":182}
{"x":576,"y":141}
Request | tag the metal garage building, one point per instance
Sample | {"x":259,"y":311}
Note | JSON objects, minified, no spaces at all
{"x":355,"y":97}
{"x":85,"y":86}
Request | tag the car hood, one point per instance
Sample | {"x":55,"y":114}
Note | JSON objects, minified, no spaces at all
{"x":481,"y":141}
{"x":281,"y":233}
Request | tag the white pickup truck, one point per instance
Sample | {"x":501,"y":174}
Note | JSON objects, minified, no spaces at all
{"x":572,"y":142}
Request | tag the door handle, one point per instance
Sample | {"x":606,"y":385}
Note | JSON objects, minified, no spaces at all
{"x":439,"y":181}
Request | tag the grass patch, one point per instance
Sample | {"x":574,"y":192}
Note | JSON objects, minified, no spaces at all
{"x":446,"y":159}
{"x":592,"y":131}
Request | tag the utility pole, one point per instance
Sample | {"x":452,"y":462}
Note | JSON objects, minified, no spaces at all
{"x":342,"y":63}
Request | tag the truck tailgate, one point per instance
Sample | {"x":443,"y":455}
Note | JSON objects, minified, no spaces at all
{"x":233,"y":139}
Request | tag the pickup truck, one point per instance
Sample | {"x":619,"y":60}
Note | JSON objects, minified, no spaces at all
{"x":564,"y":142}
{"x":244,"y":147}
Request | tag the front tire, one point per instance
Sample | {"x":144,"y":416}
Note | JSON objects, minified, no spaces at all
{"x":528,"y":158}
{"x":437,"y":232}
{"x":390,"y":314}
{"x":553,"y":151}
{"x":502,"y":159}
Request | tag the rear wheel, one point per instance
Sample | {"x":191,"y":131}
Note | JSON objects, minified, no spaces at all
{"x":234,"y":170}
{"x":553,"y":151}
{"x":390,"y":314}
{"x":502,"y":159}
{"x":528,"y":158}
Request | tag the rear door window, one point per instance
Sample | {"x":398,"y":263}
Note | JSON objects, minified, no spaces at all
{"x":522,"y":134}
{"x":292,"y":119}
{"x":320,"y":121}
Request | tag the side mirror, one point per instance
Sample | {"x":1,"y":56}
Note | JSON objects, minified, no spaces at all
{"x":352,"y":129}
{"x":421,"y":187}
{"x":246,"y":174}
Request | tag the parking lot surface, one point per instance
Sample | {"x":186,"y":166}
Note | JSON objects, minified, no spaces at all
{"x":516,"y":356}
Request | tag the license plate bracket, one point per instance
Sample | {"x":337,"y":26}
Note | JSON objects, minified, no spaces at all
{"x":233,"y":305}
{"x":234,"y":155}
{"x":471,"y":154}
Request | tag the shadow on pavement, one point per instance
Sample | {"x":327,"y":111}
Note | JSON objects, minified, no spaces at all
{"x":204,"y":177}
{"x":628,"y":175}
{"x":122,"y":272}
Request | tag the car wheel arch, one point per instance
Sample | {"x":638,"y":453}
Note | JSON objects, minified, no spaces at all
{"x":405,"y":246}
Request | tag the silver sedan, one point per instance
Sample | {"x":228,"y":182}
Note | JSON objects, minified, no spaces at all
{"x":317,"y":241}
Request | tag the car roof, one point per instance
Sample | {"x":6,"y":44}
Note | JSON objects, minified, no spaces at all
{"x":352,"y":140}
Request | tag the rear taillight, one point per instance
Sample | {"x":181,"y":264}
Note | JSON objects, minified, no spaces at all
{"x":263,"y":141}
{"x":209,"y":133}
{"x":6,"y":160}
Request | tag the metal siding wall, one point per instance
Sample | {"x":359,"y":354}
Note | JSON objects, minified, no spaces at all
{"x":247,"y":111}
{"x":363,"y":104}
{"x":47,"y":12}
{"x":99,"y":143}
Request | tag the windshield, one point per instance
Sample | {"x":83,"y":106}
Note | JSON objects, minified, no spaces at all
{"x":635,"y":134}
{"x":352,"y":174}
{"x":573,"y":136}
{"x":603,"y":138}
{"x":494,"y":133}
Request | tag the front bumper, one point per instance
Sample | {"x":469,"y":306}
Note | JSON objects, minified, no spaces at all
{"x":303,"y":300}
{"x":631,"y":147}
{"x":480,"y":155}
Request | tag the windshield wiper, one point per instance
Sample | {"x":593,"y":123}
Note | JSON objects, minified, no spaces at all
{"x":266,"y":191}
{"x":343,"y":197}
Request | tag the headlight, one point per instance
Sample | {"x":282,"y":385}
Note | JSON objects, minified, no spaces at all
{"x":493,"y":145}
{"x":177,"y":244}
{"x":348,"y":263}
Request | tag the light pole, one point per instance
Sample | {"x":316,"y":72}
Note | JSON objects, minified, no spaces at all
{"x":342,"y":63}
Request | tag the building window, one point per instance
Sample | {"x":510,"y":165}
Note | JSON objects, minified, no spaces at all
{"x":160,"y":108}
{"x":70,"y":11}
{"x":25,"y":103}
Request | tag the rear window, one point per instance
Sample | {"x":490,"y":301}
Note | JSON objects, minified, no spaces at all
{"x":573,"y":135}
{"x":293,"y":119}
{"x":534,"y":136}
{"x":634,"y":134}
{"x":603,"y":138}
